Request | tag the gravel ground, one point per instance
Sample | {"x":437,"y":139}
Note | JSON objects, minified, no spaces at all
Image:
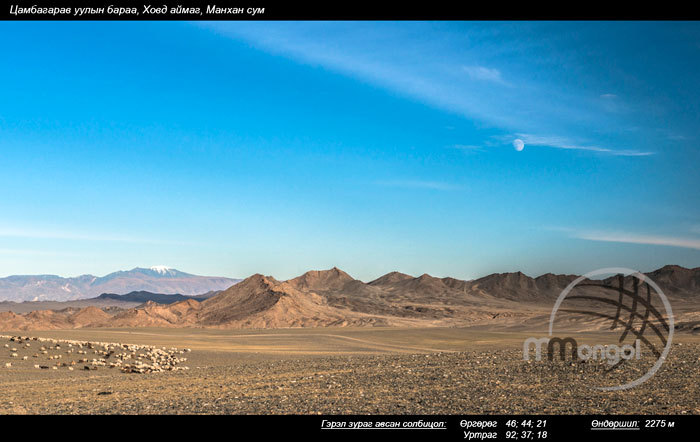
{"x":470,"y":382}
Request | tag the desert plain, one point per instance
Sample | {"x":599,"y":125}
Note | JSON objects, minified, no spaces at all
{"x":338,"y":371}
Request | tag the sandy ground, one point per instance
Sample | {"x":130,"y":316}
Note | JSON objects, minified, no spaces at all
{"x":339,"y":371}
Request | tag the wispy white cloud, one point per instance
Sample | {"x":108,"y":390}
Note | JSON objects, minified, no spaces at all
{"x":633,"y":238}
{"x":31,"y":252}
{"x":15,"y":232}
{"x":484,"y":73}
{"x":429,"y":63}
{"x":415,"y":68}
{"x":564,"y":143}
{"x":419,"y":184}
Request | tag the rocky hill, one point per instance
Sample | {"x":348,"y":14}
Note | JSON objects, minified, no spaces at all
{"x":333,"y":298}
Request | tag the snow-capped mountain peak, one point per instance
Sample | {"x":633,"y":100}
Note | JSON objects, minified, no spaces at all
{"x":160,"y":269}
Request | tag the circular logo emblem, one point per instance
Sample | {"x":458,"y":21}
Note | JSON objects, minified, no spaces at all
{"x":627,"y":305}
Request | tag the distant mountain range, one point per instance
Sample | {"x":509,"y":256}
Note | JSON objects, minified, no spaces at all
{"x":157,"y":279}
{"x":159,"y":298}
{"x":333,"y":298}
{"x":110,"y":301}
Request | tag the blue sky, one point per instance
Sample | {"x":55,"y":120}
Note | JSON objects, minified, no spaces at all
{"x":233,"y":148}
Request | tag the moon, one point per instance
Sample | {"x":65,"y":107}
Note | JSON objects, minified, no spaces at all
{"x":519,"y":145}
